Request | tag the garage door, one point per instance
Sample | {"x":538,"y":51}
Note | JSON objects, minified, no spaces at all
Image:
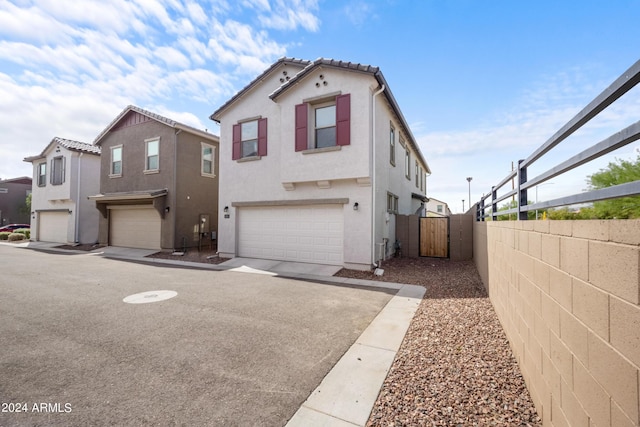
{"x":53,"y":226}
{"x":293,"y":233}
{"x":134,"y":228}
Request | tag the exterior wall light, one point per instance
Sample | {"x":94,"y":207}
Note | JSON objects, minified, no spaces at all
{"x":226,"y":209}
{"x":355,"y":206}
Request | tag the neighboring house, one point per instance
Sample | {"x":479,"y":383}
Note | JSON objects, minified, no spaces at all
{"x":158,"y":183}
{"x":297,"y":178}
{"x":64,"y":175}
{"x":13,"y":198}
{"x":437,"y":208}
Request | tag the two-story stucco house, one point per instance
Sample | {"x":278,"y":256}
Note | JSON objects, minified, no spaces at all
{"x":158,"y":182}
{"x":64,"y":175}
{"x":437,"y":208}
{"x":316,"y":159}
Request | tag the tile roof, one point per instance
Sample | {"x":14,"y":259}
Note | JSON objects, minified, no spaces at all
{"x":69,"y":144}
{"x":284,"y":60}
{"x":351,"y":66}
{"x":324,"y":62}
{"x":154,"y":116}
{"x":77,"y":145}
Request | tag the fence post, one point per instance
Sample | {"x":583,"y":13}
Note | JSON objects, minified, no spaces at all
{"x":522,"y":193}
{"x":494,"y":205}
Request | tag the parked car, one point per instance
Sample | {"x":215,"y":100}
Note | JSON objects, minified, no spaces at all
{"x":14,"y":227}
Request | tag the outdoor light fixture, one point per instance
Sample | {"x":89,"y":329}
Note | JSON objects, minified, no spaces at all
{"x":167,"y":209}
{"x":226,"y":209}
{"x":355,"y":206}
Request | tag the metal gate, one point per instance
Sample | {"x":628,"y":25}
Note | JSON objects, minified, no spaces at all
{"x":434,"y":237}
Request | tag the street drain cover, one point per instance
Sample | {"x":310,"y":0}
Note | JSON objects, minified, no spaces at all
{"x":149,"y":296}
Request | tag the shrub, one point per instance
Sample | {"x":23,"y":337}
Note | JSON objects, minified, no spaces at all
{"x":4,"y":235}
{"x":25,"y":231}
{"x":14,"y":237}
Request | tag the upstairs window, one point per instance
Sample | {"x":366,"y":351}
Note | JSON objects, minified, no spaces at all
{"x":392,"y":145}
{"x":325,"y":126}
{"x":57,"y":170}
{"x":439,"y":208}
{"x":407,"y":163}
{"x":152,"y":162}
{"x":250,"y":139}
{"x":330,"y":123}
{"x":116,"y":161}
{"x":42,"y":174}
{"x":208,"y":160}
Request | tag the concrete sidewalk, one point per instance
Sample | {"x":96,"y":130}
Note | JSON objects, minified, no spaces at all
{"x":346,"y":395}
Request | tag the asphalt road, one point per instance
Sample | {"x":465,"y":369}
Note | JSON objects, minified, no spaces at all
{"x":231,"y":349}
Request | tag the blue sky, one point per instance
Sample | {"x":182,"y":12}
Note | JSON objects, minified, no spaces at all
{"x":482,"y":83}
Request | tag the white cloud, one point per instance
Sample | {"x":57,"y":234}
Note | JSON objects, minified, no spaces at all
{"x":359,"y":12}
{"x":542,"y":109}
{"x":291,"y":14}
{"x":70,"y":67}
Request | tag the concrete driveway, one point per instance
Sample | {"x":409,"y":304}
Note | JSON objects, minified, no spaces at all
{"x":230,"y":349}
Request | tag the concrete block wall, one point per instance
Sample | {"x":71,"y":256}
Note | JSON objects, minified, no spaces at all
{"x":568,"y":296}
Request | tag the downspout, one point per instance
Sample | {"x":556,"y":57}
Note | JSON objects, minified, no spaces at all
{"x":373,"y":179}
{"x":174,"y":197}
{"x":77,"y":236}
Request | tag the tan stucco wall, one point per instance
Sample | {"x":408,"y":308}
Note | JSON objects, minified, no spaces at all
{"x":567,"y":294}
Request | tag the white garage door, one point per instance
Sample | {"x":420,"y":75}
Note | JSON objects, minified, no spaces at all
{"x":134,"y":228}
{"x":292,"y":233}
{"x":53,"y":226}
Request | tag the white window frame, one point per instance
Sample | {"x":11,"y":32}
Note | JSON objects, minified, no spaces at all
{"x":407,"y":161}
{"x":314,"y":128}
{"x":147,"y":156}
{"x":243,"y":154}
{"x":58,"y":174}
{"x":392,"y":145}
{"x":392,"y":203}
{"x":112,"y":173}
{"x":203,"y":146}
{"x":42,"y":174}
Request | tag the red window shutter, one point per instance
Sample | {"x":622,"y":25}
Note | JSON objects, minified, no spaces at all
{"x":301,"y":127}
{"x":262,"y":137}
{"x":237,"y":142}
{"x":343,"y":119}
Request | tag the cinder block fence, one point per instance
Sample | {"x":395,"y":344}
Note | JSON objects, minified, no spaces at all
{"x":568,"y":296}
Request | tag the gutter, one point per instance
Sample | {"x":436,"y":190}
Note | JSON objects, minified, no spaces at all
{"x":77,"y":236}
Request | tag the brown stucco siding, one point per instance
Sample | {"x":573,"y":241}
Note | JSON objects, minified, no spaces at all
{"x":195,"y":194}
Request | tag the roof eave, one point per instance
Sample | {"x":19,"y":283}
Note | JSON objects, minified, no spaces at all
{"x":215,"y":116}
{"x":396,"y":109}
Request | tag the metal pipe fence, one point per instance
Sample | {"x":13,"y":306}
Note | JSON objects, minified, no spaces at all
{"x":623,"y":84}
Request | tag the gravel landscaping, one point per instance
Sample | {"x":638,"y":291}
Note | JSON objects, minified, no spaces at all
{"x":455,"y":366}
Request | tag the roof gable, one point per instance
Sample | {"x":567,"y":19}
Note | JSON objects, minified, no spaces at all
{"x":309,"y":66}
{"x":69,"y":144}
{"x":134,"y":115}
{"x":257,"y":80}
